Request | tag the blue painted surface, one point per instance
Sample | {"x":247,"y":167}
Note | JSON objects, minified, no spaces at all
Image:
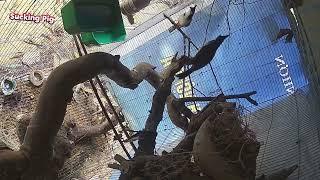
{"x":245,"y":61}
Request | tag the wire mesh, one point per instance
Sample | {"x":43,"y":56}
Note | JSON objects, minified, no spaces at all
{"x":286,"y":125}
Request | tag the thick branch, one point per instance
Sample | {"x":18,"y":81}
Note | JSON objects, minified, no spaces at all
{"x":121,"y":75}
{"x":236,"y":96}
{"x":54,"y":97}
{"x":175,"y":111}
{"x":147,"y":139}
{"x":161,"y":94}
{"x":181,"y":108}
{"x":12,"y":164}
{"x":77,"y":133}
{"x":146,"y":71}
{"x":186,"y":145}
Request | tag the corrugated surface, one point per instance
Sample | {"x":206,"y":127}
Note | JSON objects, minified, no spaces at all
{"x":306,"y":23}
{"x":289,"y":132}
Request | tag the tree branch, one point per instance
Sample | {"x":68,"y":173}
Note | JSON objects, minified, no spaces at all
{"x":186,"y":145}
{"x":37,"y":148}
{"x":145,"y":71}
{"x":236,"y":96}
{"x":175,"y":110}
{"x":147,"y":137}
{"x":77,"y":133}
{"x":210,"y":111}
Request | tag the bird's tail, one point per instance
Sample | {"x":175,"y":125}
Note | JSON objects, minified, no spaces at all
{"x":130,"y":19}
{"x":184,"y":74}
{"x":172,"y":28}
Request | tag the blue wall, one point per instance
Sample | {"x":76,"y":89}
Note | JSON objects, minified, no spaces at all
{"x":245,"y":61}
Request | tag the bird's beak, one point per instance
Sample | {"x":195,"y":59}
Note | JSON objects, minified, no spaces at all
{"x":193,"y":6}
{"x":224,"y":37}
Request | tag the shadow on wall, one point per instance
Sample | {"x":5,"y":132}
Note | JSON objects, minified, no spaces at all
{"x":288,"y":131}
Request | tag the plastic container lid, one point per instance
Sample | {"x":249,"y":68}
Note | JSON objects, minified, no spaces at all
{"x":98,"y":21}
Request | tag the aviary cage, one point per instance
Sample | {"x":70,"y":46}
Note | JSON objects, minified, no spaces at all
{"x":285,"y":122}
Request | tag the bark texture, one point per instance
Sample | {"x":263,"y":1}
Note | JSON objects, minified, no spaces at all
{"x":35,"y":159}
{"x":222,"y":145}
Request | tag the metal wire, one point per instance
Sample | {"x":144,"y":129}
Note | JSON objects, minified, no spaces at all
{"x":100,"y":101}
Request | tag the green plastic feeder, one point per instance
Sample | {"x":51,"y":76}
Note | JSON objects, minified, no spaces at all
{"x":98,"y":21}
{"x":99,"y":38}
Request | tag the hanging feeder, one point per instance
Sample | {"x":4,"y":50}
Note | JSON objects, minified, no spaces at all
{"x":36,"y":78}
{"x":100,"y":38}
{"x":8,"y":86}
{"x":98,"y":21}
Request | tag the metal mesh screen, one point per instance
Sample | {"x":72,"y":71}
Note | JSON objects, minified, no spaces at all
{"x":289,"y":131}
{"x":285,"y":124}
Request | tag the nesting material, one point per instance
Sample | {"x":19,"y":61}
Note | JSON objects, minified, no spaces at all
{"x":227,"y":141}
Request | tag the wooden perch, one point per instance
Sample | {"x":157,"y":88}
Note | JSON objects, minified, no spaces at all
{"x":186,"y":145}
{"x":147,"y":138}
{"x":62,"y":146}
{"x":129,"y":167}
{"x":12,"y":164}
{"x":211,"y":110}
{"x":176,"y":164}
{"x":77,"y":133}
{"x":37,"y":147}
{"x":236,"y":96}
{"x":55,"y":96}
{"x":174,"y":112}
{"x":145,"y":71}
{"x":121,"y":75}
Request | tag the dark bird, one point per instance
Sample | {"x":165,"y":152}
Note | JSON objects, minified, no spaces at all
{"x":203,"y":57}
{"x":285,"y":32}
{"x":185,"y":19}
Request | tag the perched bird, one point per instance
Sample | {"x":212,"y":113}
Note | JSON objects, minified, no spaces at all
{"x":185,"y":19}
{"x":203,"y":57}
{"x":285,"y":32}
{"x":141,"y":71}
